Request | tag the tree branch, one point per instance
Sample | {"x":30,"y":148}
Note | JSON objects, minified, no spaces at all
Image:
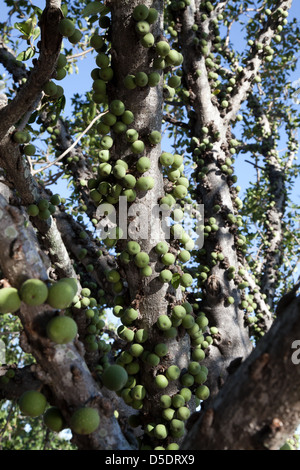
{"x":41,"y":73}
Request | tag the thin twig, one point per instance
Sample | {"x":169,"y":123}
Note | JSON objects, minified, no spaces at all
{"x":74,"y":56}
{"x":72,"y":146}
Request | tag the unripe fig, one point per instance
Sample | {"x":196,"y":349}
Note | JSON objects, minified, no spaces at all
{"x":106,"y":142}
{"x":119,"y":127}
{"x":137,"y":146}
{"x":132,"y":135}
{"x":173,"y":372}
{"x":143,"y":164}
{"x":66,"y":27}
{"x":85,"y":420}
{"x":184,"y":256}
{"x":172,"y":446}
{"x":153,"y":79}
{"x":136,"y":350}
{"x":168,"y":259}
{"x":178,"y":161}
{"x":117,"y":107}
{"x":33,"y":292}
{"x":142,"y":27}
{"x":198,"y":354}
{"x":194,"y":368}
{"x":186,"y":280}
{"x":174,"y":81}
{"x":50,"y":88}
{"x":145,"y":183}
{"x":168,"y":414}
{"x":165,"y":275}
{"x":141,"y":259}
{"x":152,"y":15}
{"x":96,"y":41}
{"x":166,"y":159}
{"x":187,"y":380}
{"x":202,"y":392}
{"x":160,"y":431}
{"x":29,"y":150}
{"x":178,"y":401}
{"x":141,"y":335}
{"x":32,"y":210}
{"x":75,"y":37}
{"x":32,"y":403}
{"x":162,"y":48}
{"x":133,"y":368}
{"x":173,"y":175}
{"x":113,"y":276}
{"x":138,"y":392}
{"x":130,"y":194}
{"x":186,"y":393}
{"x":129,"y":82}
{"x":119,"y":171}
{"x":45,"y":214}
{"x":53,"y":419}
{"x":161,"y":381}
{"x":114,"y":377}
{"x":130,"y":314}
{"x":55,"y":199}
{"x":104,"y":22}
{"x":126,"y":333}
{"x":141,"y":79}
{"x":60,"y":295}
{"x":188,"y":321}
{"x":161,"y":248}
{"x":152,"y":359}
{"x":179,"y":191}
{"x":106,"y":73}
{"x":165,"y":401}
{"x":201,"y":377}
{"x":10,"y":301}
{"x":155,"y":137}
{"x":174,"y":58}
{"x":140,"y":12}
{"x":176,"y":427}
{"x":127,"y":117}
{"x":161,"y":349}
{"x":163,"y":322}
{"x":61,"y":61}
{"x":179,"y":312}
{"x":146,"y":271}
{"x":133,"y":247}
{"x":61,"y":329}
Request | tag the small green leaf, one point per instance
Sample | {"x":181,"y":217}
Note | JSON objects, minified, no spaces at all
{"x":36,"y":33}
{"x":26,"y":55}
{"x":176,"y":280}
{"x":92,"y":8}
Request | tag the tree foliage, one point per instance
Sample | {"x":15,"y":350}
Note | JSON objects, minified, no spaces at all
{"x":171,"y":325}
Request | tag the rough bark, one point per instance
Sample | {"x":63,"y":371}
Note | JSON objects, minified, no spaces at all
{"x":149,"y":295}
{"x":258,"y":408}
